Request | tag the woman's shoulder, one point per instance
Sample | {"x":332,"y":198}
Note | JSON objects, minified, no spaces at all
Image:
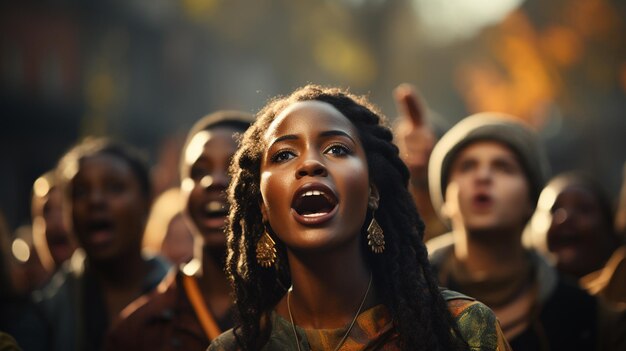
{"x":477,"y":323}
{"x":225,"y":342}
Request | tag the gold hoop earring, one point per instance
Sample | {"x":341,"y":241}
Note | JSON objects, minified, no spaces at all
{"x":266,"y":250}
{"x":375,"y":236}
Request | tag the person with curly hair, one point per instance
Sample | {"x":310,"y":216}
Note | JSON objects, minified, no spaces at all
{"x":325,"y":246}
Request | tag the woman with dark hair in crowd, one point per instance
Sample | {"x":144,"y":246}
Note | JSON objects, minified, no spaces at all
{"x":193,"y":304}
{"x":325,"y":243}
{"x":579,"y":236}
{"x":106,"y":191}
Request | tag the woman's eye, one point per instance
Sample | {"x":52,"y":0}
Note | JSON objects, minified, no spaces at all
{"x":283,"y":156}
{"x":338,"y":149}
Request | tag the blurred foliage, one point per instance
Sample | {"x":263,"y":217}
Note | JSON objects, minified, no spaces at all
{"x":145,"y":70}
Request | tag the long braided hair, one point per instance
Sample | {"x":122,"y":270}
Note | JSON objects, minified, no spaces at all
{"x":401,"y":273}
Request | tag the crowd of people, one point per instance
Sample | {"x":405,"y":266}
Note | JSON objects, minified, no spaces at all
{"x":315,"y":225}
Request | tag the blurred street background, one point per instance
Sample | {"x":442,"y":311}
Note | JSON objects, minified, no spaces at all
{"x":143,"y":71}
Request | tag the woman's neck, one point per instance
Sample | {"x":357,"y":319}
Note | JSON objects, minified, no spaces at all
{"x":122,"y":272}
{"x":327,"y":289}
{"x":212,"y":278}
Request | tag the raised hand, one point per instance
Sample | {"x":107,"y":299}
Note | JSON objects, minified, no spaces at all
{"x":414,"y":136}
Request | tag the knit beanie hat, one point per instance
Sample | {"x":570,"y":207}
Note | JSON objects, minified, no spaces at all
{"x":487,"y":126}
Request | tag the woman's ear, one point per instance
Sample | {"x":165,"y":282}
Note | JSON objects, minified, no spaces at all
{"x":374,"y":197}
{"x":263,"y":211}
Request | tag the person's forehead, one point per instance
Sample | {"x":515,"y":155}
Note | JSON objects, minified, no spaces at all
{"x":217,"y":140}
{"x":311,"y":115}
{"x":104,"y":161}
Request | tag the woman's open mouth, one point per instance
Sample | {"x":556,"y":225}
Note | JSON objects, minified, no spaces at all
{"x":214,"y":214}
{"x":314,"y":203}
{"x":100,"y":231}
{"x":215,"y":209}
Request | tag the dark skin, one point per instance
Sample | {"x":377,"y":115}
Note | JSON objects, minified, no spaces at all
{"x":206,"y":209}
{"x":109,"y":211}
{"x":328,"y":269}
{"x":579,"y":234}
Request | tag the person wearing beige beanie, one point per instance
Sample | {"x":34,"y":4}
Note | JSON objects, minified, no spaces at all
{"x":485,"y":175}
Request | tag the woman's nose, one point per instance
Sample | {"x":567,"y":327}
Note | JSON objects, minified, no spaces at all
{"x":312,"y":168}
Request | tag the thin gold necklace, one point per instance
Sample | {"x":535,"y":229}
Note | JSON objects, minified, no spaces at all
{"x":345,"y":336}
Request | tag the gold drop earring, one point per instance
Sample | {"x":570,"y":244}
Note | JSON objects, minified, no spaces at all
{"x":266,"y":250}
{"x":375,"y":236}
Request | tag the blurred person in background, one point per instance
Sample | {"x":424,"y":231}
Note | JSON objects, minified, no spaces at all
{"x":574,"y":227}
{"x":415,"y":138}
{"x":485,"y":175}
{"x":18,"y":316}
{"x":52,"y":240}
{"x":106,"y":191}
{"x":29,"y":274}
{"x":167,"y":233}
{"x":193,"y":306}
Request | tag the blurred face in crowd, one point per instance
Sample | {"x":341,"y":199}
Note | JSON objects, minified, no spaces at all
{"x":108,"y":207}
{"x":579,"y":234}
{"x":487,"y":189}
{"x":56,"y":233}
{"x":314,"y":177}
{"x":209,"y":154}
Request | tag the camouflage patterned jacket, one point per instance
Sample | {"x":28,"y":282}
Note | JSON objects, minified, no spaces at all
{"x":374,"y":330}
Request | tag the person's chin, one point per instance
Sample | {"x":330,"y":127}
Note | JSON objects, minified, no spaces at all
{"x":487,"y":226}
{"x":214,"y":238}
{"x":103,"y":255}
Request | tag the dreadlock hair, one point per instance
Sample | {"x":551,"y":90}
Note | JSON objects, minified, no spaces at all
{"x":401,"y":273}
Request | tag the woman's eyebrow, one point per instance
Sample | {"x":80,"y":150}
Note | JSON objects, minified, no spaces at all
{"x":283,"y":138}
{"x":326,"y":133}
{"x":336,"y":133}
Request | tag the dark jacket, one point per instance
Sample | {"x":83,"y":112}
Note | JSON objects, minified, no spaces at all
{"x":564,"y":316}
{"x":162,"y":320}
{"x":73,"y":308}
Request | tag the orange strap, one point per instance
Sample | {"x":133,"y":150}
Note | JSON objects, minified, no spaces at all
{"x":210,"y":327}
